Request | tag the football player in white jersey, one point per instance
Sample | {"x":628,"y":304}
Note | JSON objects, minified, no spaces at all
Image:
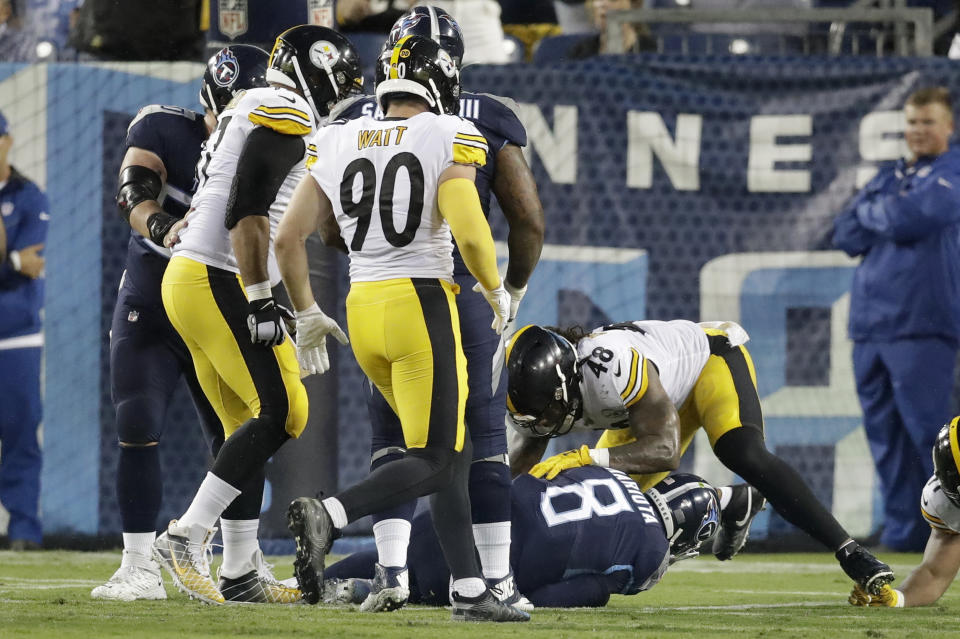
{"x":940,"y":506}
{"x":217,"y":288}
{"x":393,"y":191}
{"x":650,"y":385}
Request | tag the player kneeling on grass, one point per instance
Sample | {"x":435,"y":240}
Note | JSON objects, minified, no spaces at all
{"x":577,"y":538}
{"x":940,"y":506}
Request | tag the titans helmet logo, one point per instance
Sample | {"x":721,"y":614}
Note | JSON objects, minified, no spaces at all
{"x":226,"y":69}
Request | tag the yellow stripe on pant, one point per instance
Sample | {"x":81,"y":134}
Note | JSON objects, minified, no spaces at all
{"x":208,"y":308}
{"x":723,"y":398}
{"x":405,"y":335}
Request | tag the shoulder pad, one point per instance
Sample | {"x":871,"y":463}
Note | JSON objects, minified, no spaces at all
{"x":468,"y":145}
{"x":163,"y":109}
{"x":937,"y":510}
{"x":352,"y":108}
{"x":279,"y":109}
{"x":501,"y":116}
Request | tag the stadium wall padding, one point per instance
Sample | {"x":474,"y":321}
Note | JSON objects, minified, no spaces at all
{"x":674,"y":188}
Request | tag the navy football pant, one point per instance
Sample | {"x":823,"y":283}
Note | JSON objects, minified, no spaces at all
{"x":20,"y":460}
{"x":904,"y":388}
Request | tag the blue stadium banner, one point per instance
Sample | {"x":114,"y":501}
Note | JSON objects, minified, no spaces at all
{"x":674,"y":188}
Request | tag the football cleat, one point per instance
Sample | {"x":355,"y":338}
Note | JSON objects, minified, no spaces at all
{"x":314,"y":533}
{"x":484,"y":607}
{"x":346,"y":591}
{"x":735,"y":521}
{"x":259,"y":586}
{"x":139,"y":579}
{"x":390,"y":589}
{"x":185,"y":553}
{"x":865,"y":569}
{"x":506,"y":591}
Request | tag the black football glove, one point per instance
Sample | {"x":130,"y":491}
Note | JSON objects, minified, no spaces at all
{"x":265,"y":322}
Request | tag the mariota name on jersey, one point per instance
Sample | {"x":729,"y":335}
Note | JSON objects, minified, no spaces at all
{"x":379,"y":137}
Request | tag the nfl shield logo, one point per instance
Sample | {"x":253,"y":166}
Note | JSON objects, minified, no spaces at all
{"x":233,"y":18}
{"x":320,"y":13}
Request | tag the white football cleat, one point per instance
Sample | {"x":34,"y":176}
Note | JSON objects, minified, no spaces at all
{"x":138,"y":577}
{"x":185,"y":552}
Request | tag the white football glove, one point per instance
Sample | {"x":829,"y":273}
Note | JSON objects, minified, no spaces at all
{"x":516,"y":294}
{"x":499,"y":300}
{"x":313,"y":326}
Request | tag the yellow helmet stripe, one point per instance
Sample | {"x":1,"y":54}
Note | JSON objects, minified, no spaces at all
{"x":506,"y":360}
{"x":954,"y":446}
{"x":395,"y":57}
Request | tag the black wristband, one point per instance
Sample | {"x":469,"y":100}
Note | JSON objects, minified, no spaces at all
{"x":159,"y":224}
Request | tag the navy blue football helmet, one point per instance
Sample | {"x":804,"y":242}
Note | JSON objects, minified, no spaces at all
{"x":690,"y":509}
{"x":429,"y":22}
{"x":543,"y":392}
{"x":946,"y":453}
{"x":230,"y":70}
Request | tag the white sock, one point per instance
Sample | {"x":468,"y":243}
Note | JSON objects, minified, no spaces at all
{"x":240,"y":546}
{"x":493,"y":545}
{"x":469,"y":587}
{"x":138,"y":549}
{"x":393,"y":538}
{"x":726,"y":494}
{"x":211,"y":499}
{"x":336,"y":512}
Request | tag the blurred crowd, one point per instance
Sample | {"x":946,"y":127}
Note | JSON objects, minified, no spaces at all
{"x":496,"y":31}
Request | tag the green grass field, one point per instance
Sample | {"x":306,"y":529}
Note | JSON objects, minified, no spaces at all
{"x":47,"y":594}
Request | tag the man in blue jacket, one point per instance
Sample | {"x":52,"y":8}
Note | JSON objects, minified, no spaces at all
{"x":24,"y":212}
{"x":905,"y":307}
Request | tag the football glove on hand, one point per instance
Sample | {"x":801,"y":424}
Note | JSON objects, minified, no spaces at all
{"x":265,"y":322}
{"x":888,"y":597}
{"x":313,"y":326}
{"x":551,"y":466}
{"x":516,"y":294}
{"x":499,"y":300}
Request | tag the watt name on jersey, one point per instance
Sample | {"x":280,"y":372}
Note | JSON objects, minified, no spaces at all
{"x":381,"y":178}
{"x":616,"y":361}
{"x":206,"y":238}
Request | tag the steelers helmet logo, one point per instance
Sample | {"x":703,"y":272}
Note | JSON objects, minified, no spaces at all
{"x":446,"y":63}
{"x":323,"y":54}
{"x":227,"y":69}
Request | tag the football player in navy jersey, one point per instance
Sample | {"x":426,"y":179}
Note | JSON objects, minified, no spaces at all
{"x":507,"y":176}
{"x":578,"y":538}
{"x":147,"y":356}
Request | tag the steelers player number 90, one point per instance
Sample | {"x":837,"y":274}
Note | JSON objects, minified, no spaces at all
{"x":362,"y":209}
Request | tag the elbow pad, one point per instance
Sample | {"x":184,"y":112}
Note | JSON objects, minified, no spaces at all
{"x":460,"y":207}
{"x":137,"y":184}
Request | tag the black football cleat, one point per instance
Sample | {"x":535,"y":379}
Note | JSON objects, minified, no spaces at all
{"x":735,"y":521}
{"x":314,"y":533}
{"x":865,"y":569}
{"x":485,"y":607}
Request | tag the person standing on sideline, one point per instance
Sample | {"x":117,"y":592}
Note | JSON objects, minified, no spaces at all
{"x":24,"y":209}
{"x":905,"y":307}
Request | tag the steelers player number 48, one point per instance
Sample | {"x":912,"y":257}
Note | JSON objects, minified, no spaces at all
{"x":362,"y":209}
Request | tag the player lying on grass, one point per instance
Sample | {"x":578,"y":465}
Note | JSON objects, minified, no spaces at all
{"x":577,"y":538}
{"x":940,"y":505}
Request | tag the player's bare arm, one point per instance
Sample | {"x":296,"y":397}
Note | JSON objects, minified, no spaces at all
{"x":516,"y":192}
{"x":300,"y":219}
{"x":941,"y":562}
{"x":525,"y":452}
{"x":656,"y":425}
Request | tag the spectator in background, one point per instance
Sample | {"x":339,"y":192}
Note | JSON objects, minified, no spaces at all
{"x":905,"y":307}
{"x":529,"y":21}
{"x":17,"y":43}
{"x":24,"y":211}
{"x":370,"y":16}
{"x":636,"y":38}
{"x":140,"y":30}
{"x":482,"y":31}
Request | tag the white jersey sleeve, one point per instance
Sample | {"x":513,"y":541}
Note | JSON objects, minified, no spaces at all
{"x":206,"y":238}
{"x":382,"y":177}
{"x":939,"y":511}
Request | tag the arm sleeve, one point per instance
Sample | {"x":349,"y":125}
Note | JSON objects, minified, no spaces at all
{"x":586,"y":591}
{"x":910,"y":215}
{"x":264,"y":163}
{"x":460,"y":206}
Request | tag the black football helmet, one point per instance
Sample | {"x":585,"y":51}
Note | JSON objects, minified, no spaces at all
{"x":319,"y":62}
{"x":946,"y":461}
{"x":429,"y":22}
{"x":230,"y":70}
{"x":543,"y":393}
{"x":419,"y":66}
{"x":690,"y":509}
